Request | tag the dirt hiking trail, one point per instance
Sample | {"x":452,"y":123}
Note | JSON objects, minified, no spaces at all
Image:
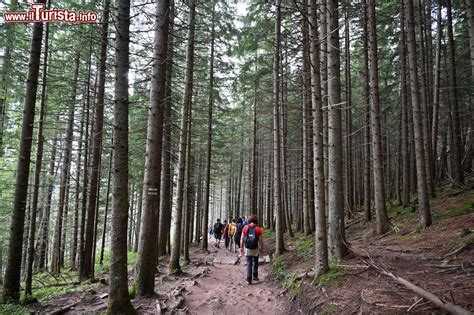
{"x":223,"y":289}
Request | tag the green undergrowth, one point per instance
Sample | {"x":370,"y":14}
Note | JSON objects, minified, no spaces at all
{"x":305,"y":247}
{"x":329,"y":309}
{"x":105,"y":267}
{"x":466,"y":208}
{"x":14,"y":309}
{"x":288,"y":280}
{"x":268,"y":233}
{"x":335,"y":272}
{"x":48,"y":293}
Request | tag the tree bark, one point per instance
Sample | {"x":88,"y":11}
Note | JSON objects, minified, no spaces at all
{"x":366,"y":97}
{"x":119,"y":300}
{"x":383,"y":224}
{"x":405,"y":154}
{"x":457,"y":148}
{"x":423,"y":200}
{"x":306,"y":121}
{"x":166,"y":195}
{"x":205,"y":214}
{"x":38,"y":165}
{"x":174,"y":265}
{"x":87,"y":258}
{"x":13,"y":269}
{"x":321,"y":248}
{"x":337,"y":248}
{"x":104,"y":229}
{"x":436,"y":88}
{"x":147,"y":249}
{"x":277,"y":187}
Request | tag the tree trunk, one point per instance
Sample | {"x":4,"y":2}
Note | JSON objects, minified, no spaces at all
{"x":348,"y":98}
{"x":457,"y":148}
{"x":166,"y":195}
{"x":75,"y":222}
{"x":470,"y":19}
{"x":188,"y":198}
{"x":405,"y":155}
{"x":85,"y":180}
{"x":277,"y":187}
{"x":42,"y":246}
{"x":205,"y":214}
{"x":174,"y":265}
{"x":423,"y":200}
{"x":306,"y":121}
{"x":4,"y":75}
{"x":147,"y":248}
{"x":321,"y":250}
{"x":64,"y":182}
{"x":139,"y":219}
{"x":367,"y":145}
{"x":38,"y":166}
{"x":437,"y":87}
{"x":383,"y":224}
{"x":119,"y":300}
{"x":13,"y":269}
{"x":104,"y":229}
{"x":87,"y":257}
{"x":337,"y":248}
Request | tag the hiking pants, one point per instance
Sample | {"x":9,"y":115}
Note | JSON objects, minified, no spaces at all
{"x":232,"y":245}
{"x":252,"y":267}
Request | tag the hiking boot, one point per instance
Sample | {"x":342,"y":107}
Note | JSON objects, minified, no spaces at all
{"x":249,"y":282}
{"x":255,"y":279}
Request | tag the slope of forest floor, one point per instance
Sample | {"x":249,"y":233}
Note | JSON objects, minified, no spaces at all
{"x":439,"y":259}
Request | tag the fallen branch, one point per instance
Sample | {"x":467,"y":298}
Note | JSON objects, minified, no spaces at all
{"x":64,"y":309}
{"x":448,"y":306}
{"x":459,"y":250}
{"x":414,"y":304}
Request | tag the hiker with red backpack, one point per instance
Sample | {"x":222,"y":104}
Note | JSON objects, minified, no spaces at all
{"x":252,"y":242}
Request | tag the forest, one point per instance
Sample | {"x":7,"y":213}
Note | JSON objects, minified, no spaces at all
{"x":344,"y":127}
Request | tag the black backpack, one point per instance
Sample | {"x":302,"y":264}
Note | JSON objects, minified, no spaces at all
{"x":218,"y":228}
{"x":251,"y":238}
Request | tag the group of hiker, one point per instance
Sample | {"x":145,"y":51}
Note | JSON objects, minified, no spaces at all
{"x":245,"y":234}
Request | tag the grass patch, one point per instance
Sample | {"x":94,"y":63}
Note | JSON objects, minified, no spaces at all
{"x":51,"y":292}
{"x":105,"y":267}
{"x":305,"y":247}
{"x":466,"y":208}
{"x":268,"y":233}
{"x":398,"y":211}
{"x":292,"y":284}
{"x":328,"y":309}
{"x":289,"y":280}
{"x":334,"y":272}
{"x":14,"y":309}
{"x":279,"y":267}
